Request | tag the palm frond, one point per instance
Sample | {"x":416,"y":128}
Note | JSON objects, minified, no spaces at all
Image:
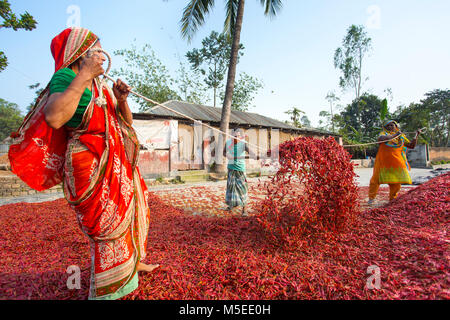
{"x":271,"y":7}
{"x":231,"y":8}
{"x":194,"y":16}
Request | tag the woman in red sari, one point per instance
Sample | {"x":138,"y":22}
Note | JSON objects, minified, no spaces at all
{"x":79,"y":133}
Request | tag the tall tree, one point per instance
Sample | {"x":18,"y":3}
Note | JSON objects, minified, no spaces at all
{"x":194,"y":16}
{"x":211,"y":60}
{"x":349,"y":58}
{"x":10,"y":118}
{"x":332,"y":99}
{"x":10,"y":20}
{"x":325,"y":122}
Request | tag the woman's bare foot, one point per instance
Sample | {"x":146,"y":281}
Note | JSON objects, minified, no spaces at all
{"x":146,"y":267}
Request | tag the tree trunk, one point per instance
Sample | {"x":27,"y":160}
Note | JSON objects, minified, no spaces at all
{"x":332,"y":122}
{"x":215,"y":88}
{"x":360,"y":74}
{"x":226,"y":109}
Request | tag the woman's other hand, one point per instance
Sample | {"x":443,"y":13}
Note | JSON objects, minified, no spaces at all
{"x":121,"y":90}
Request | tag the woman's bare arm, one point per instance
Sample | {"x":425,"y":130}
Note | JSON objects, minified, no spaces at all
{"x":121,"y":91}
{"x":125,"y":111}
{"x":388,"y":137}
{"x":413,"y":143}
{"x":61,"y":106}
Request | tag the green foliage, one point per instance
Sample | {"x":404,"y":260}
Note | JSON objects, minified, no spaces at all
{"x":147,"y":75}
{"x":362,"y":116}
{"x":440,"y":162}
{"x":245,"y":89}
{"x":189,"y":86}
{"x":295,"y":114}
{"x":196,"y":11}
{"x":332,"y":98}
{"x":10,"y":118}
{"x":384,"y":110}
{"x":349,"y":58}
{"x":305,"y":122}
{"x":360,"y":122}
{"x":433,"y":113}
{"x":231,"y":9}
{"x":38,"y":92}
{"x":3,"y":61}
{"x":194,"y":16}
{"x":325,"y":122}
{"x":211,"y":61}
{"x":10,"y":20}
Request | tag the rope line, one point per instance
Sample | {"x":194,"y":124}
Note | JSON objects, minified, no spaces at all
{"x":157,"y":105}
{"x":380,"y":142}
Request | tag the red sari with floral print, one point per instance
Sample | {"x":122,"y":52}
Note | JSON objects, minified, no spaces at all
{"x":97,"y":164}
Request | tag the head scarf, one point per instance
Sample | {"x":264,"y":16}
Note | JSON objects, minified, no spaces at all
{"x":70,"y":45}
{"x":394,"y":122}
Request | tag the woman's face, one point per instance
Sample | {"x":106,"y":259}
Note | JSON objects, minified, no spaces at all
{"x":97,"y":45}
{"x":390,"y":126}
{"x":77,"y":63}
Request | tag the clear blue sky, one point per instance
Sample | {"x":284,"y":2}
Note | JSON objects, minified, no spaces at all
{"x":292,"y":54}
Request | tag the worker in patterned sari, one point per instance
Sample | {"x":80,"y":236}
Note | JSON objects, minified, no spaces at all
{"x":237,"y":187}
{"x":391,"y":165}
{"x":79,"y":133}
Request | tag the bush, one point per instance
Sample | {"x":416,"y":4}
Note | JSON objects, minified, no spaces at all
{"x":436,"y":162}
{"x":313,"y":191}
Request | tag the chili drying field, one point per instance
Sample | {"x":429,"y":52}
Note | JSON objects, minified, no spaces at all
{"x":207,"y":253}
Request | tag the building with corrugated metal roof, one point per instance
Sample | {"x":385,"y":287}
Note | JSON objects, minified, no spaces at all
{"x":173,"y":143}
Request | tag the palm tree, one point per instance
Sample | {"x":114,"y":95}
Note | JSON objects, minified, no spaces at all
{"x":295,"y":116}
{"x":194,"y":17}
{"x":332,"y":98}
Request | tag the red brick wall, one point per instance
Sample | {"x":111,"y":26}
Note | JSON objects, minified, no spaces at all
{"x":437,"y":154}
{"x":154,"y":162}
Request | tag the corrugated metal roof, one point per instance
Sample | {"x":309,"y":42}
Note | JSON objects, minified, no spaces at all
{"x":212,"y":114}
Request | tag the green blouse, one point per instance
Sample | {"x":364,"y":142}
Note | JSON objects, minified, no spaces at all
{"x":59,"y":83}
{"x":238,"y":151}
